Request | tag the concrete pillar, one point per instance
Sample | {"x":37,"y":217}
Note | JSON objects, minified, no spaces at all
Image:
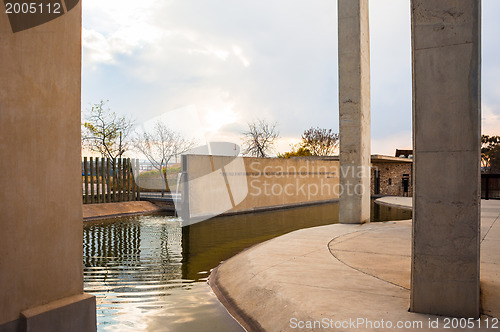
{"x":354,"y":110}
{"x":41,"y":274}
{"x":446,"y":138}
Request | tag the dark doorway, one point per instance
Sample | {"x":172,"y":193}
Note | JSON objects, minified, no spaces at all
{"x":377,"y":182}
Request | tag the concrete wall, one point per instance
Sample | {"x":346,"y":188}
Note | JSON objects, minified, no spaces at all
{"x":41,"y":281}
{"x":446,"y":46}
{"x":227,"y":184}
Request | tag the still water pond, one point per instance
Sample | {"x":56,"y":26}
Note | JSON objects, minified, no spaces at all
{"x":149,"y":274}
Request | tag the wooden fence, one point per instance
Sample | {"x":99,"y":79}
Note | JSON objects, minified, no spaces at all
{"x":108,"y":180}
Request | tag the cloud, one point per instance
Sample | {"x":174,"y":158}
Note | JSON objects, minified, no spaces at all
{"x":115,"y":27}
{"x":490,"y":88}
{"x":388,"y":144}
{"x":266,"y":64}
{"x":286,"y":144}
{"x":490,"y":121}
{"x":97,"y":47}
{"x":274,"y":60}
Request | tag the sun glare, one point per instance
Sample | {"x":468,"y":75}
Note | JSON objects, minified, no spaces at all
{"x":216,"y":119}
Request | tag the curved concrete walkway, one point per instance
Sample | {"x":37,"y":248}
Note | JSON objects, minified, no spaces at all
{"x":342,"y":277}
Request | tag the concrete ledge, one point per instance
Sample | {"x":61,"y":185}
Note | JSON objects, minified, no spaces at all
{"x":245,"y":320}
{"x":341,"y":273}
{"x":110,"y":210}
{"x":74,"y":313}
{"x":269,"y":208}
{"x":396,"y":201}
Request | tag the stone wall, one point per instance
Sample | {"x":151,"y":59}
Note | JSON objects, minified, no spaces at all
{"x":391,"y":178}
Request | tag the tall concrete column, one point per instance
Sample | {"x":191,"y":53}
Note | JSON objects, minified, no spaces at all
{"x":41,"y":272}
{"x":446,"y":138}
{"x":354,"y":110}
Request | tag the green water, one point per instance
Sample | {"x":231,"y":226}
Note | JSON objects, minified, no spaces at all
{"x":149,"y":274}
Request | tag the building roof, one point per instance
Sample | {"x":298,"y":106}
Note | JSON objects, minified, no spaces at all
{"x":404,"y":153}
{"x":389,"y":159}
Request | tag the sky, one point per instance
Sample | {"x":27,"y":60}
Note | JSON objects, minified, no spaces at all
{"x":210,"y":67}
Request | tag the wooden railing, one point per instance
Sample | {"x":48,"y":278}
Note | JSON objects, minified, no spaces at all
{"x":108,"y":180}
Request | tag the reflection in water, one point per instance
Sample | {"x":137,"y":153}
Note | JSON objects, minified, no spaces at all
{"x":388,"y":213}
{"x":144,"y":269}
{"x":207,"y":243}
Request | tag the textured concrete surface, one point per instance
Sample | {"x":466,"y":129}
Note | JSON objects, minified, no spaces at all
{"x":107,"y":210}
{"x":446,"y":46}
{"x":342,"y":273}
{"x":255,"y":183}
{"x":354,"y":110}
{"x":74,"y":313}
{"x":40,"y":200}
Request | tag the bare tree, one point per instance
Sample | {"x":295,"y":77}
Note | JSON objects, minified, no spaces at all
{"x":106,"y":133}
{"x":320,"y":142}
{"x":160,"y":145}
{"x":260,"y":138}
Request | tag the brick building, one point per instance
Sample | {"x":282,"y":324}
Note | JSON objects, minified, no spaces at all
{"x":391,"y":176}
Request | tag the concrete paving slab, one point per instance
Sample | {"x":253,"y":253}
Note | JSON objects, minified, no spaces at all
{"x":490,"y":250}
{"x":490,"y":289}
{"x":340,"y":274}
